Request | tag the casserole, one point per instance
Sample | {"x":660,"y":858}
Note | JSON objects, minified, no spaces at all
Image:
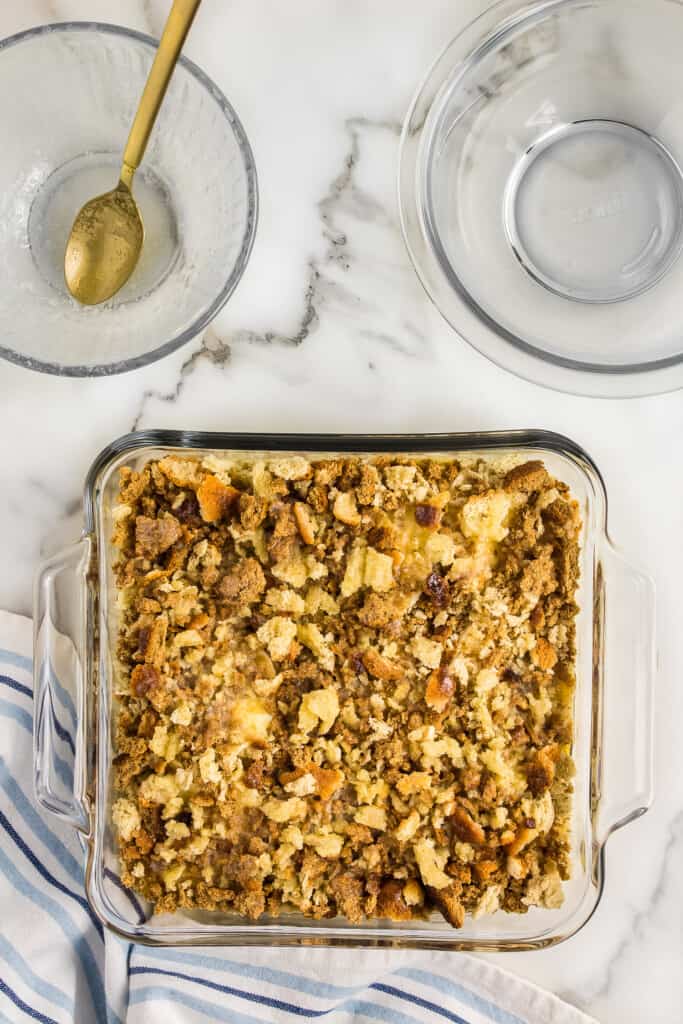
{"x":75,"y":625}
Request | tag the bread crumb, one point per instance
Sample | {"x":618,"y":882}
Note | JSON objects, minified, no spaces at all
{"x":345,"y":509}
{"x":326,"y":845}
{"x":430,"y":865}
{"x":293,"y":468}
{"x":285,"y":810}
{"x":126,"y":818}
{"x":309,"y":635}
{"x":429,"y":652}
{"x":373,"y":817}
{"x":284,"y":600}
{"x":379,"y":571}
{"x":318,"y":706}
{"x":208,"y":769}
{"x":277,"y":635}
{"x":182,"y":715}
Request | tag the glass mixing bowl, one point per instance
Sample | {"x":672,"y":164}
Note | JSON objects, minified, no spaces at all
{"x":541,"y":191}
{"x":68,"y":94}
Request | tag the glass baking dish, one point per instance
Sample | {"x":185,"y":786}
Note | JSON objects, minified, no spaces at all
{"x":75,"y":632}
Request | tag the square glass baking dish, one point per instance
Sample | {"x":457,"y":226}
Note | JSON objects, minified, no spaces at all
{"x":75,"y":634}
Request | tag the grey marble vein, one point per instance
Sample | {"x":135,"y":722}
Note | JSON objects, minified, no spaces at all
{"x":307,"y":323}
{"x":419,"y":351}
{"x":362,"y":205}
{"x":212,"y":348}
{"x":319,"y":288}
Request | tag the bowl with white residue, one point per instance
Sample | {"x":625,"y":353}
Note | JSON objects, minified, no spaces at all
{"x":63,"y":139}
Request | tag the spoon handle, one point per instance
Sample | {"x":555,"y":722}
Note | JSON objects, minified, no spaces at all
{"x":175,"y":32}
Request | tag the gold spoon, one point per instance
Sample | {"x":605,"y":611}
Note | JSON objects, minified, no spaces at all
{"x":106,"y":238}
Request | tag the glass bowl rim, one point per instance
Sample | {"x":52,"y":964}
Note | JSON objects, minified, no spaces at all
{"x":229,"y":114}
{"x":461,"y":310}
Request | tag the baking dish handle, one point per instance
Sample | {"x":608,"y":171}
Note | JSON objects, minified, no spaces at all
{"x":626,"y":718}
{"x":61,"y":664}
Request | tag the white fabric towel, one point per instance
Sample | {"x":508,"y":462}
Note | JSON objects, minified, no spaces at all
{"x":57,"y":966}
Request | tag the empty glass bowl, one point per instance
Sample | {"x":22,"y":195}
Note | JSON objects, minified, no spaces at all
{"x":541,"y":191}
{"x":68,"y":94}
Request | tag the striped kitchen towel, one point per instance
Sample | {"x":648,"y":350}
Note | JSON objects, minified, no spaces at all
{"x":58,"y":967}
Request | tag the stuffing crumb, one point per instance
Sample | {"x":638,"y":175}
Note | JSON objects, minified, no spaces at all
{"x":126,"y":818}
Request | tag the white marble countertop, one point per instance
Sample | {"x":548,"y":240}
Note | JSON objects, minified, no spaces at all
{"x":329,"y":331}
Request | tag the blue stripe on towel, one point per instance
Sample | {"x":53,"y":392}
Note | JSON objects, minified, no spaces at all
{"x":64,"y":734}
{"x":271,"y":975}
{"x":216,"y":1013}
{"x":23,"y":805}
{"x":309,"y":986}
{"x":374,"y":1010}
{"x":276,"y":1004}
{"x":210,"y":1010}
{"x":47,"y":875}
{"x":63,"y":696}
{"x":20,"y":1004}
{"x":424,"y":1004}
{"x":14,"y":685}
{"x":468,"y":998}
{"x":18,"y":660}
{"x":61,"y":917}
{"x":26,"y":691}
{"x":23,"y":718}
{"x":115,"y":880}
{"x":42,"y":988}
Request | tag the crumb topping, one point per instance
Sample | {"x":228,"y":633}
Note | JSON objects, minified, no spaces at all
{"x":345,"y":685}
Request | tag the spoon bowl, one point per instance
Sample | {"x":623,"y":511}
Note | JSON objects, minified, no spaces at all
{"x":104,"y":246}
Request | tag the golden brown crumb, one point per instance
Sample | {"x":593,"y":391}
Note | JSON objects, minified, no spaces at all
{"x":532,"y":476}
{"x":244,"y":583}
{"x":216,"y":499}
{"x":154,"y":536}
{"x":440,"y":689}
{"x":483,"y":869}
{"x":345,"y":685}
{"x":541,"y":770}
{"x":448,"y":902}
{"x":252,"y":511}
{"x":380,"y":667}
{"x":304,"y":521}
{"x":544,"y":655}
{"x":466,"y":828}
{"x":391,"y":902}
{"x":367,"y":485}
